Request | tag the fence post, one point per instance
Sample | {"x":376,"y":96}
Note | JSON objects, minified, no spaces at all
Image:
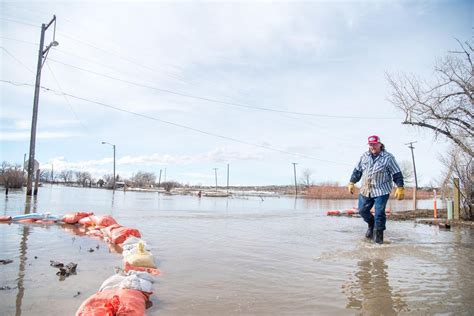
{"x":456,"y":198}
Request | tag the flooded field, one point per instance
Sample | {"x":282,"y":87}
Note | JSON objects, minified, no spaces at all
{"x":240,"y":256}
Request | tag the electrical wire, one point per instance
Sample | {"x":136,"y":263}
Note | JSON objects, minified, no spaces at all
{"x":19,"y":22}
{"x":17,"y":40}
{"x":178,"y":125}
{"x":17,"y":60}
{"x":235,"y":104}
{"x":219,"y":101}
{"x":65,"y":97}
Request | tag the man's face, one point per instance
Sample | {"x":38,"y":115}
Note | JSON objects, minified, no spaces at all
{"x":375,"y":148}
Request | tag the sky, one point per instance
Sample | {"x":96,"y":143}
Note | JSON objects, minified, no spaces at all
{"x":189,"y":86}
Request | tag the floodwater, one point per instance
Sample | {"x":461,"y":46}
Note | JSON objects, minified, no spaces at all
{"x":240,"y":256}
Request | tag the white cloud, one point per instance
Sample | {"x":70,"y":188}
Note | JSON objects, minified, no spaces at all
{"x":216,"y":155}
{"x":21,"y":136}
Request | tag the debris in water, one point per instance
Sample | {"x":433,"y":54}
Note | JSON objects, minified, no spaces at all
{"x":77,"y":294}
{"x":97,"y":247}
{"x":90,"y":250}
{"x":64,"y":271}
{"x":6,"y":287}
{"x":56,"y":264}
{"x":36,"y":257}
{"x":5,"y":261}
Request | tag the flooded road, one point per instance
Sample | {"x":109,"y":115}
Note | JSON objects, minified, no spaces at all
{"x":237,"y":257}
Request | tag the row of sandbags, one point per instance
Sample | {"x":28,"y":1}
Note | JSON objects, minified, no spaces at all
{"x":104,"y":226}
{"x":127,"y":292}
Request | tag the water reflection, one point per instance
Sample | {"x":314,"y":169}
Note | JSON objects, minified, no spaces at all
{"x":370,"y":291}
{"x":31,"y":204}
{"x":21,"y":269}
{"x":112,"y":202}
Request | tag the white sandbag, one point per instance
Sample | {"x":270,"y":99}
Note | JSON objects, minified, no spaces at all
{"x":140,"y":257}
{"x":133,"y":280}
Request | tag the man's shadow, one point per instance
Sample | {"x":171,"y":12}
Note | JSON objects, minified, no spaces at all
{"x":369,"y":290}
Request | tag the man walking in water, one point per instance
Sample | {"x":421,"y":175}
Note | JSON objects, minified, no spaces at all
{"x":377,"y":168}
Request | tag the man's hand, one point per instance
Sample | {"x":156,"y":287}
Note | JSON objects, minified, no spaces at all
{"x":400,"y":193}
{"x":350,"y":187}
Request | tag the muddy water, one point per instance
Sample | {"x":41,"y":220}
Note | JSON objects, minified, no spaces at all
{"x":238,"y":257}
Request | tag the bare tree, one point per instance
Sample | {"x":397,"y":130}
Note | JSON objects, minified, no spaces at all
{"x":83,"y":178}
{"x":45,"y":175}
{"x":11,"y":176}
{"x":169,"y":185}
{"x":407,"y":171}
{"x":460,"y":165}
{"x":144,"y":179}
{"x":306,"y":177}
{"x":444,"y":106}
{"x":66,"y":175}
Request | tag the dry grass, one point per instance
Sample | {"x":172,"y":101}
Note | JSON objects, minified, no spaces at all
{"x":341,"y":193}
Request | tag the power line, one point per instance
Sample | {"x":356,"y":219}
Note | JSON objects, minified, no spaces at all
{"x":218,"y":101}
{"x":19,"y":22}
{"x":65,"y":98}
{"x":17,"y":60}
{"x":120,"y":56}
{"x":178,"y":125}
{"x":17,"y":40}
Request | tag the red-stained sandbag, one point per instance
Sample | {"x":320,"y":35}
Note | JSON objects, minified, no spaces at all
{"x":48,"y":222}
{"x":119,"y":234}
{"x":153,"y":271}
{"x":27,"y":220}
{"x":103,"y":221}
{"x":108,"y":230}
{"x":5,"y":218}
{"x":87,"y":221}
{"x":95,"y":233}
{"x":114,"y":302}
{"x":73,"y":218}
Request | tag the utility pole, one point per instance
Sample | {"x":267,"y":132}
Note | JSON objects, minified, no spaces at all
{"x":52,"y":173}
{"x":114,"y":169}
{"x":165,"y":176}
{"x":159,"y":179}
{"x":294,"y":171}
{"x":24,"y":163}
{"x":215,"y":172}
{"x":227,"y":178}
{"x":113,"y":146}
{"x":42,"y":54}
{"x":414,"y":171}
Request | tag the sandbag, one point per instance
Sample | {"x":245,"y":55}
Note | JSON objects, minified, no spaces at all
{"x":86,"y":221}
{"x":134,"y":280}
{"x":27,"y":220}
{"x":130,"y":245}
{"x":95,"y":232}
{"x":5,"y":218}
{"x":153,"y":271}
{"x":119,"y":234}
{"x":114,"y":302}
{"x":73,"y":218}
{"x":103,"y":221}
{"x":141,"y":257}
{"x":107,"y":231}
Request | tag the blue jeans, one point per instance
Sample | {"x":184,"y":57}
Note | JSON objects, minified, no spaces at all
{"x":366,"y":203}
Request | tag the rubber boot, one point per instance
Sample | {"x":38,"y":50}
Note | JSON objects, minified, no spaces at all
{"x":378,"y":236}
{"x":370,"y":231}
{"x":369,"y":234}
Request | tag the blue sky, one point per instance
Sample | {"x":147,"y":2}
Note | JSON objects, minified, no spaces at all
{"x":217,"y":83}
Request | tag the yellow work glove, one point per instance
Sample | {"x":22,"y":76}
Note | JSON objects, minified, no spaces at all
{"x":400,"y":193}
{"x":350,"y":187}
